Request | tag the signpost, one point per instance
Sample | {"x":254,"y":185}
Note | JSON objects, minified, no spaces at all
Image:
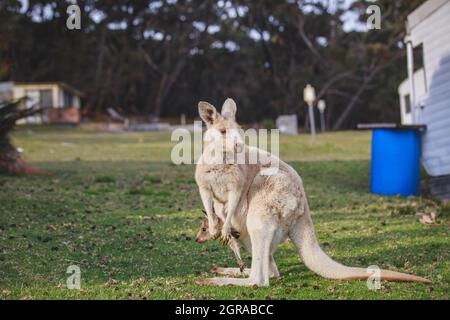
{"x":309,"y":95}
{"x":321,"y":105}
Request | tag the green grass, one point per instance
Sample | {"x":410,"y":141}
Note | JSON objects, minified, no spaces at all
{"x":115,"y":206}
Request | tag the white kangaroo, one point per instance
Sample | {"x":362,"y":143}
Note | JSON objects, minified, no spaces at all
{"x":265,"y":210}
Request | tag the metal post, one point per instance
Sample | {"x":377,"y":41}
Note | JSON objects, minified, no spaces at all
{"x":321,"y":105}
{"x":311,"y":122}
{"x":309,"y":96}
{"x":322,"y":121}
{"x":412,"y":86}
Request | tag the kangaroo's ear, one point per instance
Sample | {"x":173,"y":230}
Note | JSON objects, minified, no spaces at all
{"x":207,"y":112}
{"x":229,"y":109}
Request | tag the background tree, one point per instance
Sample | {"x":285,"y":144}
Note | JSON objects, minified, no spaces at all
{"x":157,"y":58}
{"x":10,"y":160}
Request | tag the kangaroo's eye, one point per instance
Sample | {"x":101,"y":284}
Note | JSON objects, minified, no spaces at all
{"x":203,"y":229}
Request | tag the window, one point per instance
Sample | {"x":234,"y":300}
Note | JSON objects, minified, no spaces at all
{"x":68,"y":99}
{"x":40,"y":98}
{"x":408,"y":103}
{"x":33,"y":98}
{"x":46,"y":99}
{"x":418,"y":58}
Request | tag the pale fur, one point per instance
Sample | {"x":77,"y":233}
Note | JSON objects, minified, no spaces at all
{"x":219,"y":181}
{"x":271,"y":209}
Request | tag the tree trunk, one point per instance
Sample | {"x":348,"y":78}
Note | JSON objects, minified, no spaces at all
{"x":11,"y":162}
{"x":351,"y":105}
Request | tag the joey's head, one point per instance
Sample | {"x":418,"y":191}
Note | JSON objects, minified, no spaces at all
{"x":222,"y":133}
{"x":203,"y":234}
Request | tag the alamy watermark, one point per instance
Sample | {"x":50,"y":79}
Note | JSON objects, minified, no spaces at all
{"x":73,"y":22}
{"x":227,"y":146}
{"x":374,"y":280}
{"x":74,"y":280}
{"x":374,"y":20}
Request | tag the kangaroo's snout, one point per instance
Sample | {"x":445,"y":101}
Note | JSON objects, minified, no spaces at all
{"x":200,"y":240}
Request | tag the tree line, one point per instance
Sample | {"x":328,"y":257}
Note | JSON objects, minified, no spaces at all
{"x":159,"y":58}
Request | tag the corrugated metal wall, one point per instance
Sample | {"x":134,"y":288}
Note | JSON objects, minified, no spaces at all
{"x":434,"y":33}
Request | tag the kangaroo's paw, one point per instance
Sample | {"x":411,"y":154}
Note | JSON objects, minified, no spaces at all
{"x":214,"y":232}
{"x":219,"y":282}
{"x":234,"y":272}
{"x":226,"y":234}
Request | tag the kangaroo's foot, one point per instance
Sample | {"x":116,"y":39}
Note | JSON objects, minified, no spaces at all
{"x":234,"y":272}
{"x":219,"y":282}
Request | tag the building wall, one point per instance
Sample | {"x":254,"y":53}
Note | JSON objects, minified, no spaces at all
{"x":434,"y":33}
{"x":59,"y":113}
{"x":6,"y":91}
{"x":76,"y":102}
{"x":404,"y":90}
{"x":20,"y":89}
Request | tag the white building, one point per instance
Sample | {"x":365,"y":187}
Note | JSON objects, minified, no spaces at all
{"x":288,"y":124}
{"x":61,"y":102}
{"x":425,"y":95}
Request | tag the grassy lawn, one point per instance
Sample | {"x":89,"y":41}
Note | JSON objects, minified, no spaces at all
{"x":115,"y":206}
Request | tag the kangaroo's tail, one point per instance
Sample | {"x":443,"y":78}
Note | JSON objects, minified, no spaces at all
{"x":304,"y":238}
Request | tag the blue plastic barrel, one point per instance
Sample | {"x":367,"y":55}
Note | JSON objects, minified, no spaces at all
{"x":396,"y":162}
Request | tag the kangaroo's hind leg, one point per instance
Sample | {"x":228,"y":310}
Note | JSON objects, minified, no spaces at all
{"x":262,"y":235}
{"x":273,"y":269}
{"x":233,"y":272}
{"x":237,"y":272}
